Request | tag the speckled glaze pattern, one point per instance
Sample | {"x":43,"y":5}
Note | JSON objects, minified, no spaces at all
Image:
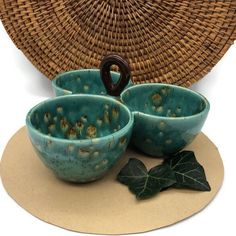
{"x":85,"y":81}
{"x":80,"y":137}
{"x":166,"y":117}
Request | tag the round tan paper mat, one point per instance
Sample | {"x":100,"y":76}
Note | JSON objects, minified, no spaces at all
{"x":104,"y":206}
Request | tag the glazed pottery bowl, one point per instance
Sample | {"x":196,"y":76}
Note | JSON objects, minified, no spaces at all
{"x":166,"y":117}
{"x":86,"y":81}
{"x":80,"y":137}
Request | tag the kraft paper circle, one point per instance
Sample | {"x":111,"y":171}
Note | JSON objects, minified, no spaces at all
{"x":104,"y":206}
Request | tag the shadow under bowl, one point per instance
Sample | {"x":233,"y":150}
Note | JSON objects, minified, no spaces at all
{"x":166,"y":117}
{"x":79,"y":137}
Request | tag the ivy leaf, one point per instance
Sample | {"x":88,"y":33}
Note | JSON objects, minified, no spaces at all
{"x":188,"y":172}
{"x":144,"y":184}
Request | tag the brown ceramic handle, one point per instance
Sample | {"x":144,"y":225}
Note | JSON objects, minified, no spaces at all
{"x":125,"y":74}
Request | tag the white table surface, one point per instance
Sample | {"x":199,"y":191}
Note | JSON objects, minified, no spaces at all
{"x":22,"y":86}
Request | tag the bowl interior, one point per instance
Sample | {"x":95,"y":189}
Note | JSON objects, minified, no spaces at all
{"x":83,"y":81}
{"x":79,"y":117}
{"x":163,"y":100}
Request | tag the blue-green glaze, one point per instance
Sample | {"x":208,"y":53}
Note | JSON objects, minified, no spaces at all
{"x":80,"y":137}
{"x":166,"y":117}
{"x":85,"y":81}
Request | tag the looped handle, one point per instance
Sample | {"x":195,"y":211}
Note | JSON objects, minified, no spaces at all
{"x":125,"y":74}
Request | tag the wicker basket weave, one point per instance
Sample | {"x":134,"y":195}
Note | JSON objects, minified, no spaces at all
{"x":167,"y":41}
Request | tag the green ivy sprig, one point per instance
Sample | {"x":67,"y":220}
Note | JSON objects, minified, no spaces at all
{"x":181,"y":170}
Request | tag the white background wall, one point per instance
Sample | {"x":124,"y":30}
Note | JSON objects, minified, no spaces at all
{"x":22,"y":86}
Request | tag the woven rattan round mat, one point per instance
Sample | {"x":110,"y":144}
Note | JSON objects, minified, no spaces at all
{"x":164,"y":40}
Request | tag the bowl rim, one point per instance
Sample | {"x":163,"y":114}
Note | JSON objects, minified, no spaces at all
{"x":118,"y":133}
{"x":58,"y":76}
{"x":140,"y":113}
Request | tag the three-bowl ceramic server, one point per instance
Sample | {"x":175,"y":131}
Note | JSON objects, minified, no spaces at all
{"x":81,"y":136}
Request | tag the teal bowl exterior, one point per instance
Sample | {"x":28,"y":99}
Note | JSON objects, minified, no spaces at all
{"x":166,"y":117}
{"x":80,"y":137}
{"x":85,"y":81}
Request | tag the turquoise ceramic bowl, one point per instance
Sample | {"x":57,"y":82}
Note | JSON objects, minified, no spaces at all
{"x":80,"y":137}
{"x":86,"y":81}
{"x":166,"y":117}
